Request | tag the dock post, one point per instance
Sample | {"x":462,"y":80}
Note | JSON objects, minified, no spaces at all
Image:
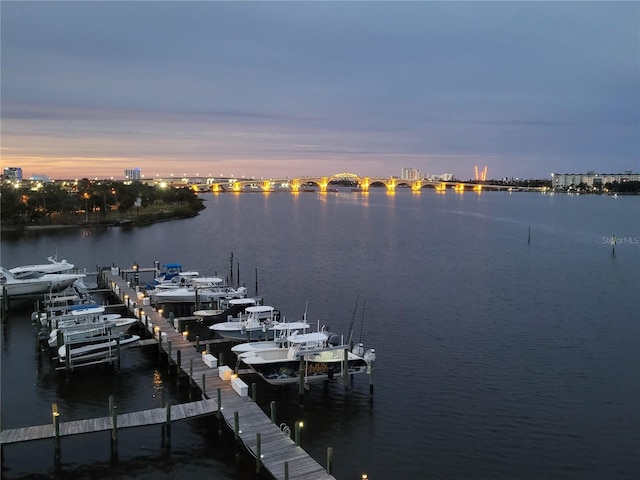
{"x":345,"y":369}
{"x":114,"y":433}
{"x":371,"y":377}
{"x":204,"y":385}
{"x":329,"y":458}
{"x":298,"y":426}
{"x":168,"y":427}
{"x":111,"y":404}
{"x":56,"y":429}
{"x":67,"y":355}
{"x":286,"y":470}
{"x":301,"y":382}
{"x":190,"y":379}
{"x":197,"y":343}
{"x":221,"y":362}
{"x":118,"y":349}
{"x":219,"y":413}
{"x":59,"y":340}
{"x":236,"y":433}
{"x":172,"y":318}
{"x":178,"y":359}
{"x":208,"y":347}
{"x":254,"y":392}
{"x":273,"y":411}
{"x":168,"y":351}
{"x":258,"y":452}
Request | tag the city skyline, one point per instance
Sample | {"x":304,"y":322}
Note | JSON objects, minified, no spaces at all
{"x":307,"y":88}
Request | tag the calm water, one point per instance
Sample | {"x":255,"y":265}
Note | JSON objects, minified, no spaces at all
{"x":496,"y":357}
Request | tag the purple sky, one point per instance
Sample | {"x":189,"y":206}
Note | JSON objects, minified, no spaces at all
{"x":279,"y":89}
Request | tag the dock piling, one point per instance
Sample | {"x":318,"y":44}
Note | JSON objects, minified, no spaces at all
{"x":329,"y":459}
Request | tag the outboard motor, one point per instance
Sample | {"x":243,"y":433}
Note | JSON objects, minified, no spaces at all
{"x":358,"y":349}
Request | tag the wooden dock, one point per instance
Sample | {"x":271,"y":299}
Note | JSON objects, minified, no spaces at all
{"x":272,"y":448}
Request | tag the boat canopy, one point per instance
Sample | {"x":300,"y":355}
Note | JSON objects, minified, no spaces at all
{"x":259,"y":309}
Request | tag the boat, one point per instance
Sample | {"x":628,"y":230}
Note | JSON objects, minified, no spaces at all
{"x":227,"y":311}
{"x":96,"y":348}
{"x":34,"y":271}
{"x":42,"y":283}
{"x":257,"y":325}
{"x":198,"y":292}
{"x":281,"y":332}
{"x":86,"y":323}
{"x":319,"y":355}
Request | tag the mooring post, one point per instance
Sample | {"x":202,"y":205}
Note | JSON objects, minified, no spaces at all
{"x":118,"y":349}
{"x":221,"y":362}
{"x":208,"y":348}
{"x":345,"y":368}
{"x":371,"y":368}
{"x":56,"y":430}
{"x":111,"y":404}
{"x":273,"y":411}
{"x":301,"y":381}
{"x":168,"y":351}
{"x":297,"y":433}
{"x":197,"y":343}
{"x":204,"y":385}
{"x":254,"y":392}
{"x":329,"y":458}
{"x":114,"y":432}
{"x":236,"y":425}
{"x":258,"y":452}
{"x":178,"y":359}
{"x":168,"y":425}
{"x":219,"y":401}
{"x":219,"y":413}
{"x":286,"y":470}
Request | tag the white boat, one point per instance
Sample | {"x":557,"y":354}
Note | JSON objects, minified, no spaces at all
{"x":34,"y":271}
{"x":320,"y":355}
{"x":43,"y":283}
{"x":95,"y":349}
{"x":259,"y":324}
{"x":281,"y":330}
{"x":227,"y":311}
{"x":203,"y":294}
{"x":84,"y":323}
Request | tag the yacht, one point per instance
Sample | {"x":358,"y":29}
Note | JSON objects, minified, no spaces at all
{"x":36,"y":283}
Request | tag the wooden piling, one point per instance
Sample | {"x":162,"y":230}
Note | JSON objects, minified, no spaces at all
{"x":258,"y":452}
{"x":301,"y":381}
{"x":114,"y":432}
{"x":329,"y":459}
{"x":345,"y":369}
{"x":273,"y":411}
{"x":168,"y":426}
{"x":56,"y":428}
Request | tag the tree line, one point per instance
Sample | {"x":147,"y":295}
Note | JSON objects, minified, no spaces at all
{"x":89,"y":201}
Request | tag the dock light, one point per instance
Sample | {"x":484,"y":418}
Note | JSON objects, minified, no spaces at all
{"x":365,"y":476}
{"x":160,"y":312}
{"x":156,"y":329}
{"x":185,"y":334}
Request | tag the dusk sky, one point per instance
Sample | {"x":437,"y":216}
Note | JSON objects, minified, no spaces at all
{"x":285,"y":89}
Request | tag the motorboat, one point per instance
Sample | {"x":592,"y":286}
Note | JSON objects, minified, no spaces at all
{"x":88,"y":323}
{"x":95,"y":348}
{"x":259,"y":324}
{"x":39,"y":283}
{"x":282,"y":331}
{"x":34,"y":271}
{"x":319,"y":355}
{"x":193,"y":294}
{"x":227,"y":311}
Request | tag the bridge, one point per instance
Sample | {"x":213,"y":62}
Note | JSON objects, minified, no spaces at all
{"x":323,"y":184}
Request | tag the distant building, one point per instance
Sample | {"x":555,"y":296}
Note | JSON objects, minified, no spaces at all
{"x":132,"y":175}
{"x":410,"y":174}
{"x":443,"y":177}
{"x":12,"y":174}
{"x":562,"y":181}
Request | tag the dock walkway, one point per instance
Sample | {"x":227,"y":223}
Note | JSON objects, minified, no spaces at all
{"x":276,"y":447}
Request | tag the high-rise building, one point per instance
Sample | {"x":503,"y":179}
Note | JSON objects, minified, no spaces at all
{"x":12,"y":174}
{"x":410,"y":174}
{"x":133,"y":174}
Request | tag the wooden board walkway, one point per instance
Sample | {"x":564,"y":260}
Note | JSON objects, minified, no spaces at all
{"x":276,"y":447}
{"x":125,"y":420}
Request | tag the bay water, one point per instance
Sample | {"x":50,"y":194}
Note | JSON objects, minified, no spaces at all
{"x":506,"y":328}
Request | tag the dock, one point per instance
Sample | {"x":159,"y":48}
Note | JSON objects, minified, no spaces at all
{"x":224,"y":395}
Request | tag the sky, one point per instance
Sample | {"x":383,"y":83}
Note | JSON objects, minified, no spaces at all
{"x":303,"y":88}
